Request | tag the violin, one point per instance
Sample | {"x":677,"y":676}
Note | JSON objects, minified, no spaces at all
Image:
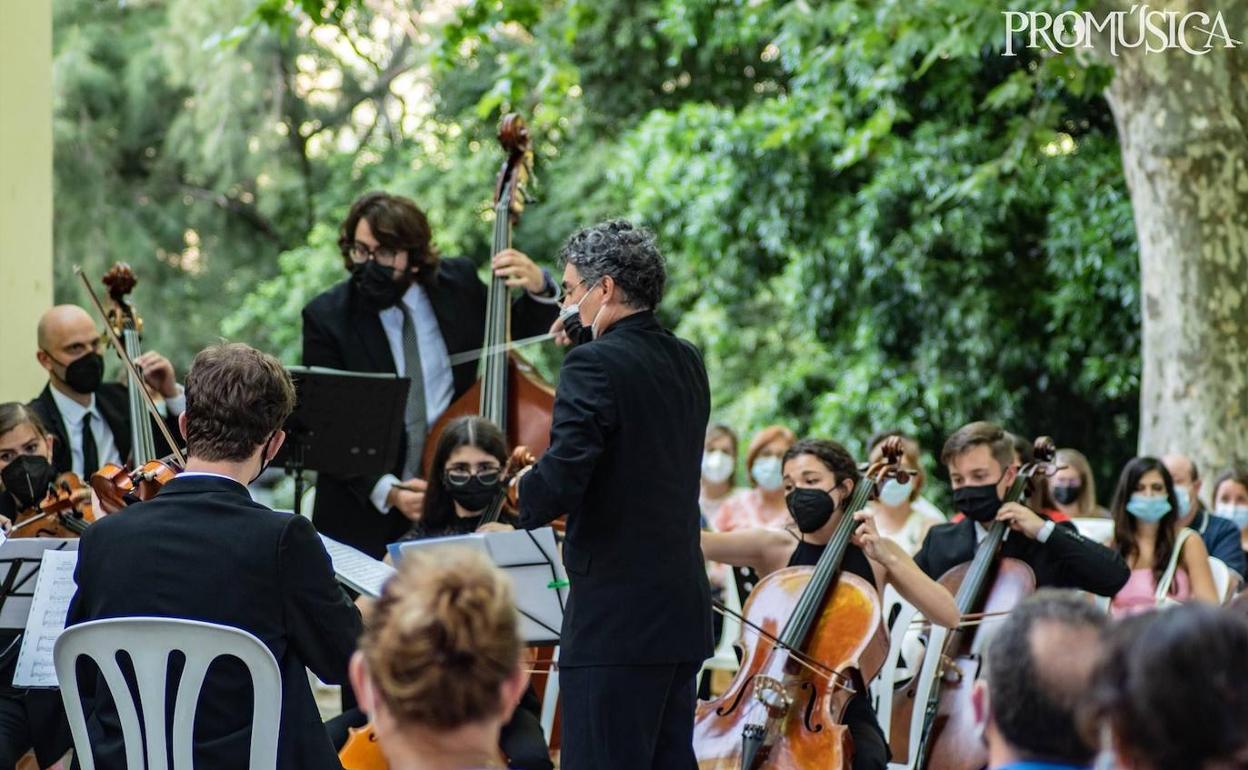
{"x":65,"y":512}
{"x":117,"y":486}
{"x":988,"y":586}
{"x":782,"y":710}
{"x":508,"y":493}
{"x":508,"y":391}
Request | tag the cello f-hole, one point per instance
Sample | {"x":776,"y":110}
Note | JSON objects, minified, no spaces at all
{"x":810,"y":708}
{"x":745,"y":687}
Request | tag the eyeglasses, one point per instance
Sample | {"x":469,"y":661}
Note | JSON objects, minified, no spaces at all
{"x":459,"y":475}
{"x":382,"y":255}
{"x":567,"y":290}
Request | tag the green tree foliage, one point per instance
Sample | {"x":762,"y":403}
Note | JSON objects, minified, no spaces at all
{"x":872,"y":218}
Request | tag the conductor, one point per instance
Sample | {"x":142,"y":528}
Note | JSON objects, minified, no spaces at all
{"x":624,"y":465}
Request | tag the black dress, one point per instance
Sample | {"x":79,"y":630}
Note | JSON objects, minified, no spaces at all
{"x":870,"y":748}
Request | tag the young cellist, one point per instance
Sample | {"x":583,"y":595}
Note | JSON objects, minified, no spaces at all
{"x":819,"y":477}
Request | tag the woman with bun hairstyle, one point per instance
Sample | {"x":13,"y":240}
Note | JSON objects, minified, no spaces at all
{"x":439,"y":668}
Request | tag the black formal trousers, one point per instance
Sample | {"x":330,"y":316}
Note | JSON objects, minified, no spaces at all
{"x":628,"y":717}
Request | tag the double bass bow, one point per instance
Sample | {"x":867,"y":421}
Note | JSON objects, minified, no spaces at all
{"x":508,"y":391}
{"x":116,"y":485}
{"x":987,"y":586}
{"x":783,"y":709}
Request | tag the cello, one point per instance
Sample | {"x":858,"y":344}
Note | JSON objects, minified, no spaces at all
{"x":508,"y":391}
{"x":987,"y":585}
{"x":116,"y":486}
{"x":783,"y":709}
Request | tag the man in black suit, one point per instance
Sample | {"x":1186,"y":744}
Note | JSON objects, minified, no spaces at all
{"x":202,"y":549}
{"x":405,"y":308}
{"x":90,"y":418}
{"x":980,"y":460}
{"x":624,"y":465}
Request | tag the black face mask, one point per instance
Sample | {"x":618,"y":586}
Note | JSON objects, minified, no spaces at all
{"x":810,"y":507}
{"x":1066,"y":494}
{"x":475,"y":495}
{"x":576,"y":331}
{"x":377,"y":285}
{"x":84,"y":374}
{"x":979,"y":503}
{"x":28,"y":478}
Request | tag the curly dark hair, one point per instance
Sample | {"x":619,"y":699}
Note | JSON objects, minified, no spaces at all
{"x":397,"y":223}
{"x":835,"y":457}
{"x":626,"y":253}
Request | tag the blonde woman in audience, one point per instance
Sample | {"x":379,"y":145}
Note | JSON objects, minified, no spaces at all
{"x":763,"y":504}
{"x":1073,"y":488}
{"x":901,"y":514}
{"x":439,"y":664}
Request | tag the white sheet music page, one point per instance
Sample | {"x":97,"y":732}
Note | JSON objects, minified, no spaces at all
{"x":54,"y":589}
{"x":356,"y":569}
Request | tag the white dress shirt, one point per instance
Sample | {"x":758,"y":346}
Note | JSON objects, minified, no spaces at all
{"x":435,"y":361}
{"x":73,"y":413}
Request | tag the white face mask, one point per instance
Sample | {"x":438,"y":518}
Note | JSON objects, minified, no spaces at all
{"x":1236,"y":513}
{"x":717,"y":466}
{"x":767,"y":473}
{"x":893,"y":494}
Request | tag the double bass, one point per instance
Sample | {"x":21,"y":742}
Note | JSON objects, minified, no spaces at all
{"x":508,"y":392}
{"x":116,"y":485}
{"x":783,"y":709}
{"x":985,"y":587}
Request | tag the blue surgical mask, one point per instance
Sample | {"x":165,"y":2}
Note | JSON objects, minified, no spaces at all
{"x":767,"y":473}
{"x":1184,"y":499}
{"x":894,"y":494}
{"x":1236,"y":513}
{"x":1150,"y":509}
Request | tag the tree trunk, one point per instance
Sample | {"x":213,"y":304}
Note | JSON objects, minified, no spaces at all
{"x":1183,"y":126}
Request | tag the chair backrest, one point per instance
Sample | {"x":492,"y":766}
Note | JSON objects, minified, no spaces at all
{"x":149,"y":643}
{"x":1095,"y":529}
{"x":905,"y":651}
{"x":1225,"y":582}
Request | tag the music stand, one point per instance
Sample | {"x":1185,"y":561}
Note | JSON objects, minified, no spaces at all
{"x":346,"y":423}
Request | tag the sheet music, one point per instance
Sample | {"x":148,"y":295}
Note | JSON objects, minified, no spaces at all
{"x":356,"y":569}
{"x":53,"y":591}
{"x":531,"y":560}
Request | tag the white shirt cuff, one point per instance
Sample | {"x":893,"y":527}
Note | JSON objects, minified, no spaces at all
{"x":177,"y":404}
{"x":1043,"y":535}
{"x":555,"y":296}
{"x":381,"y":490}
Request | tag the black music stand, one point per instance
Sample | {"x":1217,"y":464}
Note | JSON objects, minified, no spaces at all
{"x":347,"y":423}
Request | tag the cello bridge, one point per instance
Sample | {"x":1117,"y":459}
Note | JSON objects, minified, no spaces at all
{"x":772,"y":694}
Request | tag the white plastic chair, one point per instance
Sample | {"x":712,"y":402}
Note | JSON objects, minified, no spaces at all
{"x":149,"y":643}
{"x":903,"y":642}
{"x":1095,"y":529}
{"x":1225,"y":582}
{"x":725,"y":656}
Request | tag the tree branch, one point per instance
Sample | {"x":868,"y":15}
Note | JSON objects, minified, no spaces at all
{"x":244,"y":211}
{"x":397,"y":67}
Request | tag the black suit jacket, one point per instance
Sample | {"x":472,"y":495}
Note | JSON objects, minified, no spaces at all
{"x":624,"y":464}
{"x":339,"y":332}
{"x":113,"y":401}
{"x":1066,"y":560}
{"x":203,"y":550}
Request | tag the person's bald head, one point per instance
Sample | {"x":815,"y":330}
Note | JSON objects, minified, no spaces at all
{"x":1039,"y":665}
{"x":1181,"y":468}
{"x":65,"y":334}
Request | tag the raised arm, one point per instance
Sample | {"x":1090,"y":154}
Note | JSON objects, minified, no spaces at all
{"x":930,"y":597}
{"x":1199,"y":575}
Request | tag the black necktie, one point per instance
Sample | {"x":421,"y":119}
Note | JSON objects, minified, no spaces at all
{"x":90,"y":455}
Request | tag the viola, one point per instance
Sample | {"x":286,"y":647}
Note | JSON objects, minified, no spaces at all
{"x":116,"y":485}
{"x":65,"y":512}
{"x":988,"y":586}
{"x":782,"y":710}
{"x":508,"y":391}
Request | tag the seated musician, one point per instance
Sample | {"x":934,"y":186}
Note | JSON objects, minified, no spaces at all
{"x":465,"y":478}
{"x":439,"y":668}
{"x":203,"y":549}
{"x":819,"y":478}
{"x":1030,"y":697}
{"x":1147,"y":531}
{"x":90,"y":418}
{"x":980,"y":460}
{"x":404,"y":307}
{"x":29,"y":719}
